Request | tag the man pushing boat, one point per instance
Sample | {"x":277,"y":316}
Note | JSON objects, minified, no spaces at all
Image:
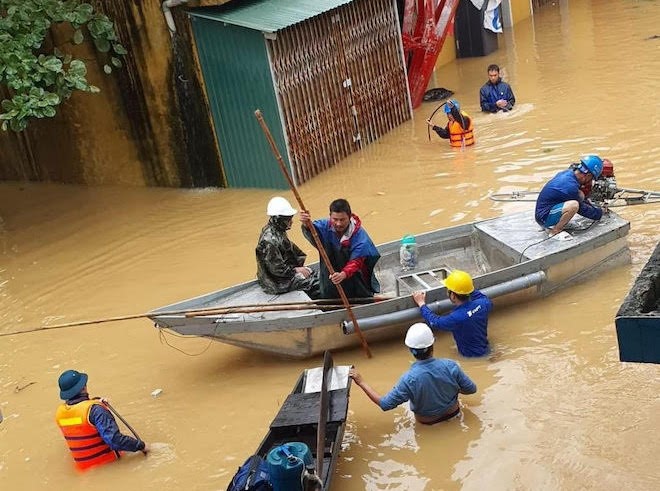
{"x":468,"y":320}
{"x":351,"y":251}
{"x":432,"y":385}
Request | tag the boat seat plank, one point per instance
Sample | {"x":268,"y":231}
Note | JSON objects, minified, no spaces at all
{"x":303,"y":409}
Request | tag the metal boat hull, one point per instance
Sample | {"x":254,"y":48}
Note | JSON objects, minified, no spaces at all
{"x":494,"y":251}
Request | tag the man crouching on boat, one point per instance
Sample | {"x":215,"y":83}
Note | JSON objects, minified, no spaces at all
{"x":431,"y":385}
{"x":279,"y":261}
{"x":561,"y":198}
{"x":350,"y":249}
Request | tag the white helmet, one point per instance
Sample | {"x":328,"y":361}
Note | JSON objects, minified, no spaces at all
{"x":278,"y":206}
{"x":419,"y":336}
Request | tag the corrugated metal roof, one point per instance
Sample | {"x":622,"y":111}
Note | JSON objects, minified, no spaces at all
{"x":267,"y":15}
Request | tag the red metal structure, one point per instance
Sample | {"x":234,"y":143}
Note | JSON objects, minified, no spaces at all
{"x":425,"y":27}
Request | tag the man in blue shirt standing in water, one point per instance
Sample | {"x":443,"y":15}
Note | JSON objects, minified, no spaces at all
{"x":468,"y":321}
{"x":431,"y":385}
{"x":496,"y":95}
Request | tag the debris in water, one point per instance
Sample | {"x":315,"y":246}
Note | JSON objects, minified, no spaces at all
{"x":156,"y":392}
{"x":437,"y":94}
{"x":21,"y":387}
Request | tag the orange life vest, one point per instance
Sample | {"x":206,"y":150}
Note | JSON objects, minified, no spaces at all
{"x":87,"y":447}
{"x":458,"y":136}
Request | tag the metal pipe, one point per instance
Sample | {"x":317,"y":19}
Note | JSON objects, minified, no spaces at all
{"x":407,"y":315}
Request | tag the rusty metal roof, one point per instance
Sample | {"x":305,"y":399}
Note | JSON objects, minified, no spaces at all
{"x":267,"y":15}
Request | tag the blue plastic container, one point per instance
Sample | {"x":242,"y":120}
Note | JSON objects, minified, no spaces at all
{"x":286,"y":465}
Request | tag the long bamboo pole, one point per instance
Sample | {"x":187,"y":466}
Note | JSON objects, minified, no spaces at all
{"x":272,"y":308}
{"x":188,"y":313}
{"x":332,"y":303}
{"x":312,"y":229}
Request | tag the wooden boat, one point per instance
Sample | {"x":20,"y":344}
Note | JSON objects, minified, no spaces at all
{"x":638,"y":319}
{"x":510,"y":258}
{"x":315,"y":414}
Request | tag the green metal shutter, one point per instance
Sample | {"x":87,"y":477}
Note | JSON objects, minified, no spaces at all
{"x":238,"y":80}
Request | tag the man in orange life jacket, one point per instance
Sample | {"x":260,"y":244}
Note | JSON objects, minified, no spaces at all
{"x":459,"y":130}
{"x":88,"y":426}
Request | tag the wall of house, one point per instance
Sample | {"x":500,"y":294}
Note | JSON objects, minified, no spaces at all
{"x":148,"y":126}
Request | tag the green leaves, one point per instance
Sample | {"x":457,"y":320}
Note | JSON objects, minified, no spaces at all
{"x":52,"y":63}
{"x":39,"y":80}
{"x":78,"y":37}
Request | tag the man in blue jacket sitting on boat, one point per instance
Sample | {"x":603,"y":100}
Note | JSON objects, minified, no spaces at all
{"x":431,"y":384}
{"x":351,"y":251}
{"x":561,"y":197}
{"x":468,"y":321}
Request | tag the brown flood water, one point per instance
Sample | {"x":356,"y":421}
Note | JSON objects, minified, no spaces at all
{"x":557,"y":410}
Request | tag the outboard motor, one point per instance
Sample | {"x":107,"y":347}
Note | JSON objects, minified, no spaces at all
{"x":604,"y":188}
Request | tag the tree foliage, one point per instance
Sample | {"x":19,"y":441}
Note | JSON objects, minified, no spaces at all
{"x":38,"y":78}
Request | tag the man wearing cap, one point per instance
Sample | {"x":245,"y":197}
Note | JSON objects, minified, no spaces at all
{"x":280,"y":262}
{"x":88,"y":427}
{"x":561,"y":197}
{"x":468,"y":320}
{"x":431,"y":384}
{"x":459,"y":130}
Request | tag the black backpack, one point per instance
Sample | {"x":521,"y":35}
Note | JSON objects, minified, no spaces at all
{"x":251,"y":476}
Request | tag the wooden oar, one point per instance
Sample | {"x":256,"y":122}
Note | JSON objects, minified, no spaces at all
{"x":312,"y":229}
{"x":323,"y":414}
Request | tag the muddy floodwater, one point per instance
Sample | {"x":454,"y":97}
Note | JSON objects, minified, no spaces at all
{"x":556,"y":410}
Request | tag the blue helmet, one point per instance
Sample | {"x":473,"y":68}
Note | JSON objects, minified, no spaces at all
{"x":451,"y":103}
{"x":591,"y":163}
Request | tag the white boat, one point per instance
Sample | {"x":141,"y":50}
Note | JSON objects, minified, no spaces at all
{"x":510,"y":258}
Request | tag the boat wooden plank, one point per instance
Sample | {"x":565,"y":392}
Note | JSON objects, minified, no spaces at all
{"x":301,"y":409}
{"x":298,"y":421}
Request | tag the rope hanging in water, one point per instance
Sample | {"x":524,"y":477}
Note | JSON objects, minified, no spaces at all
{"x":428,"y":127}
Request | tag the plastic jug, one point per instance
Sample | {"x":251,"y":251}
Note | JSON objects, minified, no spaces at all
{"x":408,"y":253}
{"x":286,"y":465}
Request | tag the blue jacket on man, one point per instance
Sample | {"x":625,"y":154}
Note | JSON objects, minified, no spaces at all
{"x":467,"y":322}
{"x":561,"y":188}
{"x":491,"y":93}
